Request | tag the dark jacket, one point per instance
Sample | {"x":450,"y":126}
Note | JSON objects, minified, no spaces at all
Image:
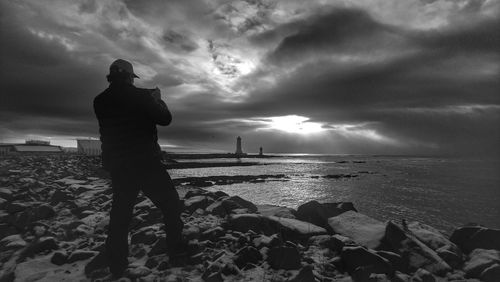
{"x":127,"y":118}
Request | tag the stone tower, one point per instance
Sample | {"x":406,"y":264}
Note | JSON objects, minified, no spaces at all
{"x":238,"y":146}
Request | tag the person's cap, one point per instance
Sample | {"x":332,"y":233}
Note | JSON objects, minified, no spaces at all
{"x":123,"y":66}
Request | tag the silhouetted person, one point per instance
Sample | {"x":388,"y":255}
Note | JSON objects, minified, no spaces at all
{"x":127,"y":118}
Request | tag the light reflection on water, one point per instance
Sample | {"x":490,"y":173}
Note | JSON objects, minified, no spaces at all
{"x":441,"y":192}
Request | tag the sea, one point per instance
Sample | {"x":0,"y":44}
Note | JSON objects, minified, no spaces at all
{"x":442,"y":192}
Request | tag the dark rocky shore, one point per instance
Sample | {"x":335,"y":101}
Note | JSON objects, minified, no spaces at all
{"x":54,"y":215}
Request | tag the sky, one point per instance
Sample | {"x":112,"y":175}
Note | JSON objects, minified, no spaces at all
{"x":334,"y":77}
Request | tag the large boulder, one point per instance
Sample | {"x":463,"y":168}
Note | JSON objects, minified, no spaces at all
{"x":415,"y":253}
{"x":468,"y":238}
{"x":296,"y":229}
{"x":289,"y":228}
{"x":243,"y":203}
{"x":197,"y":202}
{"x":354,"y":257}
{"x":278,"y":211}
{"x":479,"y":260}
{"x":430,"y":236}
{"x":318,"y":213}
{"x":228,"y":205}
{"x":362,"y":229}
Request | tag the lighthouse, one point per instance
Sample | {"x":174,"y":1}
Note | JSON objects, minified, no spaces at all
{"x":238,"y":146}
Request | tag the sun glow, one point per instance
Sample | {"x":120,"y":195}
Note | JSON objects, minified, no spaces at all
{"x":294,"y":124}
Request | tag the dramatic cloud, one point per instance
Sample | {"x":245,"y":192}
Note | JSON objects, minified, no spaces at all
{"x":396,"y":76}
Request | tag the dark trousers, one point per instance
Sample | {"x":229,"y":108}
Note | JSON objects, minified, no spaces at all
{"x":155,"y":183}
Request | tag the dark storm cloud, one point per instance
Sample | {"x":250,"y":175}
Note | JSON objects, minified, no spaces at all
{"x":475,"y":37}
{"x":337,"y":30}
{"x":173,"y":38}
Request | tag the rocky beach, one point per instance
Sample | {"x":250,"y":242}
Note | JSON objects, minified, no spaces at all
{"x":54,"y":216}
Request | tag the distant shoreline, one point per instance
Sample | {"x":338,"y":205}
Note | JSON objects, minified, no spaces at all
{"x":188,"y":156}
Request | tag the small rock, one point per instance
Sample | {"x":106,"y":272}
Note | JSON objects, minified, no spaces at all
{"x":354,"y":257}
{"x":197,"y":202}
{"x":153,"y":261}
{"x":80,"y":255}
{"x":394,"y":259}
{"x":3,"y":203}
{"x":247,"y":255}
{"x":194,"y":193}
{"x":12,"y":242}
{"x":145,"y":235}
{"x":219,"y":194}
{"x":59,"y":258}
{"x":43,"y":212}
{"x":283,"y":258}
{"x":451,"y":258}
{"x":305,"y":274}
{"x":230,"y":269}
{"x":159,"y":247}
{"x":455,"y":275}
{"x":137,"y":272}
{"x":41,"y":245}
{"x":197,"y":258}
{"x":401,"y":277}
{"x":16,"y":207}
{"x":191,"y":232}
{"x":6,"y":193}
{"x":137,"y":251}
{"x":327,"y":241}
{"x":368,"y":273}
{"x":266,"y":241}
{"x":7,"y":229}
{"x":213,"y":233}
{"x":212,"y":273}
{"x":422,"y":275}
{"x":214,"y":277}
{"x":479,"y":260}
{"x":61,"y":196}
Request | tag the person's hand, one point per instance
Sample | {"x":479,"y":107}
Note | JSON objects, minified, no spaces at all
{"x":156,"y":93}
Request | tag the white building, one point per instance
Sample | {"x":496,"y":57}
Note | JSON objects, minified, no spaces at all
{"x":89,"y":147}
